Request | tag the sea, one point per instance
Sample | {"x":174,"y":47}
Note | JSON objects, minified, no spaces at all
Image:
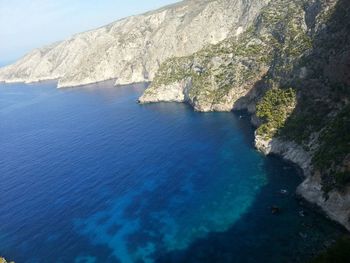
{"x":89,"y":175}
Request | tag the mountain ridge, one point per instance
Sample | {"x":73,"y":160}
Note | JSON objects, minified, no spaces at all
{"x":131,"y":49}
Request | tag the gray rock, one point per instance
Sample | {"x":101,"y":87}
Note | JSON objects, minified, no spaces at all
{"x":336,"y":206}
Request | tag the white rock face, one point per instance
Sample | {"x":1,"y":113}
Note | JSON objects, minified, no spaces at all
{"x":179,"y":92}
{"x":288,"y":150}
{"x":131,"y":50}
{"x":336,"y":206}
{"x":175,"y":92}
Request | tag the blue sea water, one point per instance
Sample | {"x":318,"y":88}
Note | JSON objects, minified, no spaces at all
{"x":89,"y":175}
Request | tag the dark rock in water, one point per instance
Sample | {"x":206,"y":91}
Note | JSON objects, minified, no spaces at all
{"x":275,"y":210}
{"x":307,"y":225}
{"x":283,"y":192}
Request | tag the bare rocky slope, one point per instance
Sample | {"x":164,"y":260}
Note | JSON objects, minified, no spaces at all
{"x":131,"y":50}
{"x":291,"y":70}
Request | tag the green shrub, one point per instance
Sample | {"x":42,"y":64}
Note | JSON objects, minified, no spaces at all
{"x":334,"y":147}
{"x":342,"y":178}
{"x":275,"y":107}
{"x":309,"y":117}
{"x":334,"y":141}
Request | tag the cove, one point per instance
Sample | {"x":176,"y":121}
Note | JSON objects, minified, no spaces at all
{"x":88,"y":175}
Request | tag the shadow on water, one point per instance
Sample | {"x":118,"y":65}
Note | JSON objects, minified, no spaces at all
{"x":259,"y":235}
{"x":295,"y":234}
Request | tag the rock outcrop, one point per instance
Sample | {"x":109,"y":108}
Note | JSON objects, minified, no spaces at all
{"x":287,"y":150}
{"x":131,"y":50}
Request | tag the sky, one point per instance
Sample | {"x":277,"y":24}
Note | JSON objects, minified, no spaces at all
{"x":28,"y":24}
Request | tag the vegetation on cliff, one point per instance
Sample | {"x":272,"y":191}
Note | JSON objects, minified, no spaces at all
{"x":223,"y":73}
{"x":332,"y":157}
{"x":275,"y":107}
{"x":321,"y":120}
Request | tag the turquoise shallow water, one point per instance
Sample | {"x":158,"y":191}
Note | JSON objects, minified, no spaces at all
{"x":88,"y":175}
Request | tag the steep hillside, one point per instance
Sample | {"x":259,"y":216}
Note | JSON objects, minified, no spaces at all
{"x":131,"y":50}
{"x":291,"y":71}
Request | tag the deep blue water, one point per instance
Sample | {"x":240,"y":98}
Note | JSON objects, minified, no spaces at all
{"x":88,"y":175}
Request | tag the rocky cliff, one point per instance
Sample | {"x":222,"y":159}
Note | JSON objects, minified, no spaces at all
{"x":291,"y":70}
{"x":131,"y":50}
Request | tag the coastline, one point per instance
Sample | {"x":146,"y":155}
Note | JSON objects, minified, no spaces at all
{"x":335,"y":207}
{"x":288,"y":204}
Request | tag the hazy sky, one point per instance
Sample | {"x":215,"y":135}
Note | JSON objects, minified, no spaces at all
{"x":27,"y":24}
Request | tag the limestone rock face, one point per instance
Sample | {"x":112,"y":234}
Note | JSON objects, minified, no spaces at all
{"x":131,"y":50}
{"x":336,"y":205}
{"x":174,"y":92}
{"x":288,"y":150}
